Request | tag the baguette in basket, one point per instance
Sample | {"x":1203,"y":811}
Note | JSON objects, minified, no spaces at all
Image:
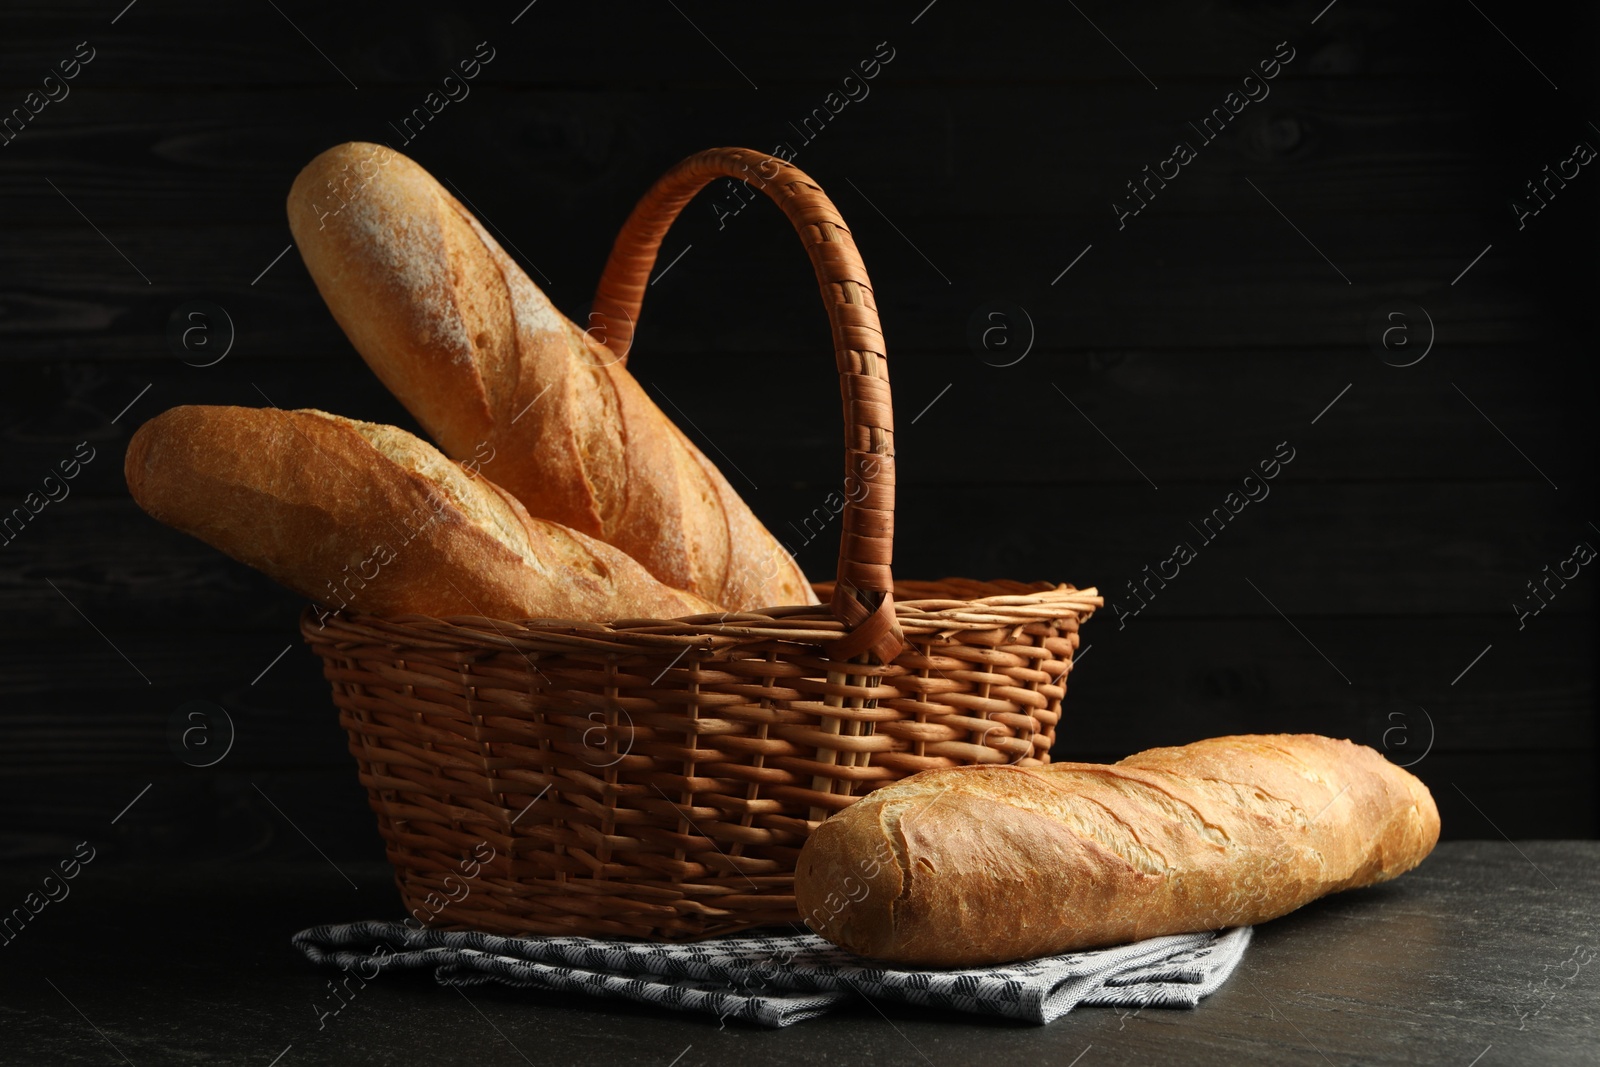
{"x":481,"y":357}
{"x":357,"y":514}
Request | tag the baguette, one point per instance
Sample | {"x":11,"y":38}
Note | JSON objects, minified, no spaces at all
{"x":982,"y":865}
{"x":354,"y":514}
{"x":489,"y":366}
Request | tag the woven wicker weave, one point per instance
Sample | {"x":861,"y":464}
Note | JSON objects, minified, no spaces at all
{"x":656,"y":778}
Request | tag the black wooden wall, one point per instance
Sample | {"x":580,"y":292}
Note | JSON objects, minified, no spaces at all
{"x":1342,"y":274}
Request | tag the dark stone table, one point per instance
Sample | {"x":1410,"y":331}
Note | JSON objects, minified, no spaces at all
{"x":1489,"y":954}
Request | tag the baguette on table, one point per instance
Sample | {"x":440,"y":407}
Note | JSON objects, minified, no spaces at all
{"x":988,"y":864}
{"x":495,"y":373}
{"x":360,"y":515}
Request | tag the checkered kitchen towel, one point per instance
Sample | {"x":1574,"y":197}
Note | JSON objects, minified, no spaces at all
{"x":783,"y":979}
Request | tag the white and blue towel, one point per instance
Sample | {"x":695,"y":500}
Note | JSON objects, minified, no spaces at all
{"x":783,"y":979}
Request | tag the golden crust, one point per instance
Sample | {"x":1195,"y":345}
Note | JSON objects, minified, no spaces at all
{"x":991,"y":864}
{"x":367,"y":516}
{"x":490,"y":367}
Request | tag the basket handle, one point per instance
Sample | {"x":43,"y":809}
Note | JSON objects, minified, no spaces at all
{"x":862,"y":596}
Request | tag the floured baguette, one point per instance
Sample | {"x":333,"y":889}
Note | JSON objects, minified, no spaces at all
{"x":497,"y":374}
{"x":979,"y":865}
{"x":354,"y":514}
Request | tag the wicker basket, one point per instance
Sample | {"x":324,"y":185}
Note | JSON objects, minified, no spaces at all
{"x":656,"y":778}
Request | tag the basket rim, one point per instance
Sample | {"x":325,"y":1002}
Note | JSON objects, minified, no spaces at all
{"x":796,"y":624}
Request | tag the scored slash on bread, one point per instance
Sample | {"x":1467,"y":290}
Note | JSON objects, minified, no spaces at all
{"x":360,"y":515}
{"x":988,"y":864}
{"x":480,"y":356}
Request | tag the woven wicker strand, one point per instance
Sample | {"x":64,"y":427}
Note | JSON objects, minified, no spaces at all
{"x":656,"y":778}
